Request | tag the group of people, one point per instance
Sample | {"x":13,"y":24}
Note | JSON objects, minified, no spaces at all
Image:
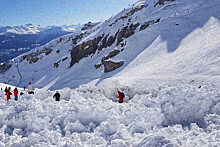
{"x":30,"y":90}
{"x":8,"y":92}
{"x":56,"y":95}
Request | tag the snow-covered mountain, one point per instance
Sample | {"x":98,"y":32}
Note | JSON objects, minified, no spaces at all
{"x":20,"y":39}
{"x":163,"y":54}
{"x":152,"y":40}
{"x":35,"y":29}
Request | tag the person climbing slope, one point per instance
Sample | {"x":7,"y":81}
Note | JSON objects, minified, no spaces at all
{"x":8,"y":94}
{"x":16,"y":94}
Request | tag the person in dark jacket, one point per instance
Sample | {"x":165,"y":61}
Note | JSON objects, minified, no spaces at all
{"x":57,"y":96}
{"x":6,"y":89}
{"x":121,"y":97}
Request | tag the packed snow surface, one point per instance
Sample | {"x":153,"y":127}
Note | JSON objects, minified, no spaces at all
{"x":155,"y":115}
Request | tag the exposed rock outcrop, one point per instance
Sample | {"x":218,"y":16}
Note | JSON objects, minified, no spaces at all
{"x":161,"y":2}
{"x":90,"y":47}
{"x":111,"y":66}
{"x":78,"y":37}
{"x":4,"y":67}
{"x":56,"y":64}
{"x":97,"y":66}
{"x":65,"y":58}
{"x":58,"y":51}
{"x":84,"y":50}
{"x":111,"y":54}
{"x":89,"y":25}
{"x":126,"y":32}
{"x":60,"y":40}
{"x":34,"y":57}
{"x":130,"y":13}
{"x":148,"y":23}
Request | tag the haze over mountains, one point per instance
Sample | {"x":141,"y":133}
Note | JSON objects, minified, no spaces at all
{"x":19,"y":39}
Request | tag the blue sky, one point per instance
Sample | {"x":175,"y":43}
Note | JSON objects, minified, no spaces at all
{"x":58,"y":12}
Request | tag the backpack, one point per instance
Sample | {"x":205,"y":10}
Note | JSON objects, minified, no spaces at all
{"x":123,"y":95}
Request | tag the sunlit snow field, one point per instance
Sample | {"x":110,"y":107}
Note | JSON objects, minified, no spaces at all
{"x":157,"y":115}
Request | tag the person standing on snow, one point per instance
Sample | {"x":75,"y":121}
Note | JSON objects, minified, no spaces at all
{"x":30,"y":88}
{"x":8,"y":94}
{"x":16,"y":94}
{"x":120,"y":96}
{"x":6,"y":89}
{"x":57,"y":96}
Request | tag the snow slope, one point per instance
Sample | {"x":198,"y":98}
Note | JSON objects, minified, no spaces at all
{"x":174,"y":41}
{"x":159,"y":115}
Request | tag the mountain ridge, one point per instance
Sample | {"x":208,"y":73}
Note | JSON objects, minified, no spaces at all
{"x":153,"y":34}
{"x":19,"y":39}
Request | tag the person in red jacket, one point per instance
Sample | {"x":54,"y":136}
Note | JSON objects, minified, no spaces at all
{"x":8,"y":94}
{"x":120,"y":96}
{"x":16,"y":94}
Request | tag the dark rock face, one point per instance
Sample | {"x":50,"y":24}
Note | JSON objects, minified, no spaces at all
{"x":90,"y":47}
{"x":108,"y":42}
{"x":148,"y":23}
{"x":4,"y":67}
{"x":60,"y":40}
{"x":34,"y":57}
{"x":89,"y":25}
{"x":65,"y":58}
{"x":111,"y":54}
{"x":58,"y":51}
{"x":129,"y":14}
{"x":56,"y":64}
{"x":126,"y":32}
{"x":111,"y":66}
{"x":97,"y":66}
{"x":87,"y":48}
{"x":84,"y":50}
{"x":78,"y":37}
{"x":103,"y":41}
{"x":161,"y":2}
{"x":46,"y":51}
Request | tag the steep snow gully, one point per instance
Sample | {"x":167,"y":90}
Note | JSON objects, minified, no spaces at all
{"x":154,"y":115}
